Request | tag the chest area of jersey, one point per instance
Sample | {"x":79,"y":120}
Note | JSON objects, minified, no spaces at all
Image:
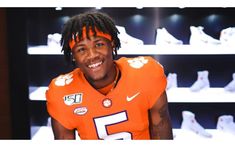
{"x":83,"y":103}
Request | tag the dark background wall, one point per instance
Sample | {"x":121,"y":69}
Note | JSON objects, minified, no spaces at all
{"x":5,"y":115}
{"x":18,"y":72}
{"x":140,"y":23}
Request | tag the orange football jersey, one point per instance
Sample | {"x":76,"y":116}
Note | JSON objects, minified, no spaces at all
{"x":121,"y":114}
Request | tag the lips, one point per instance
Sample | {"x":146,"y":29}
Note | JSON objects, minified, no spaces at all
{"x":95,"y":65}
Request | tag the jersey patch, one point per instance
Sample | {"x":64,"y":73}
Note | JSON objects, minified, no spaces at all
{"x":80,"y":110}
{"x":72,"y":99}
{"x":137,"y":62}
{"x":107,"y":103}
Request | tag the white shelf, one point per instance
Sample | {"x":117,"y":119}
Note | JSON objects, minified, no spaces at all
{"x":175,"y":95}
{"x":44,"y":50}
{"x":183,"y":135}
{"x":45,"y":133}
{"x":209,"y":95}
{"x":177,"y":50}
{"x":37,"y":93}
{"x":149,"y":50}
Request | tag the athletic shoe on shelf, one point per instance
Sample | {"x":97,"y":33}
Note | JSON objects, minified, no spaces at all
{"x":163,"y":37}
{"x":225,"y":123}
{"x":202,"y":81}
{"x":53,"y":40}
{"x":231,"y":85}
{"x":190,"y":123}
{"x":199,"y":37}
{"x":126,"y":39}
{"x":171,"y":81}
{"x":227,"y":36}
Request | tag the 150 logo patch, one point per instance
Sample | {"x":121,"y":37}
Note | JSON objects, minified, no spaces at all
{"x":72,"y":99}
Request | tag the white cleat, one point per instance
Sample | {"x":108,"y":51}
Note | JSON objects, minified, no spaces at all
{"x":53,"y":40}
{"x":199,"y":37}
{"x":231,"y":85}
{"x":163,"y":37}
{"x":190,"y":123}
{"x":225,"y":123}
{"x":126,"y":39}
{"x":227,"y":36}
{"x":171,"y":81}
{"x":202,"y":81}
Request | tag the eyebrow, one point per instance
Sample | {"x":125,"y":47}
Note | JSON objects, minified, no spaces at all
{"x":98,"y":39}
{"x":95,"y":40}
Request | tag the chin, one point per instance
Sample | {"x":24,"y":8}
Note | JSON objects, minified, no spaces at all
{"x":97,"y":77}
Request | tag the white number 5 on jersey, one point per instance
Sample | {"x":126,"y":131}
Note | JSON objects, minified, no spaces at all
{"x":101,"y":124}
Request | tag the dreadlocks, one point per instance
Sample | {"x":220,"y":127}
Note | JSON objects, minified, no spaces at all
{"x":92,"y":19}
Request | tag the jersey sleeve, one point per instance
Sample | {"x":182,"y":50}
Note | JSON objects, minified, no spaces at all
{"x":56,"y":107}
{"x":158,"y":81}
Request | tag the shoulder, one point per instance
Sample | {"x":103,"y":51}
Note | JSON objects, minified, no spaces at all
{"x":145,"y":64}
{"x":63,"y":79}
{"x":61,"y":83}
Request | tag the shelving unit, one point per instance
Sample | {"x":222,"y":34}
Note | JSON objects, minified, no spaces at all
{"x":149,"y":50}
{"x":45,"y":133}
{"x":175,"y":95}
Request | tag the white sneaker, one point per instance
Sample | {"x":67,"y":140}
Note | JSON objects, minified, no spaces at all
{"x":53,"y":40}
{"x":202,"y":81}
{"x":126,"y":39}
{"x":225,"y":123}
{"x":163,"y":37}
{"x":190,"y":123}
{"x":227,"y":36}
{"x":231,"y":85}
{"x":198,"y":37}
{"x":171,"y":81}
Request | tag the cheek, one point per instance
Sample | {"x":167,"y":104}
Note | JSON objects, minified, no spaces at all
{"x":79,"y":61}
{"x":109,"y":53}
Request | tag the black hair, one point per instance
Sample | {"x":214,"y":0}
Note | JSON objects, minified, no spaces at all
{"x":74,"y":26}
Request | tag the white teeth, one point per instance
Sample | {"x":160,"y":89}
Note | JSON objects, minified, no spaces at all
{"x":95,"y":65}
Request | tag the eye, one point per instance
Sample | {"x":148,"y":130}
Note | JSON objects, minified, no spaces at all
{"x":99,"y":44}
{"x":80,"y":50}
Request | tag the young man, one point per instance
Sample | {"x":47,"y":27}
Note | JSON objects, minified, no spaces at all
{"x":106,"y":98}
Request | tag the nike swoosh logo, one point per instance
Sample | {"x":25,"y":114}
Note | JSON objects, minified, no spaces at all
{"x":132,"y":97}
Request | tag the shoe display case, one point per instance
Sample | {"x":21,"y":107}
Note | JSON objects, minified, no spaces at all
{"x":202,"y":74}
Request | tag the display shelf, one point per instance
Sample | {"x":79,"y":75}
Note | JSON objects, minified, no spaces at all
{"x":175,"y":95}
{"x":44,"y":50}
{"x":183,"y":135}
{"x":209,"y":95}
{"x":37,"y":93}
{"x":149,"y":50}
{"x":45,"y":133}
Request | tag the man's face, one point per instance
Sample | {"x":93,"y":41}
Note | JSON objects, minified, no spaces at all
{"x":94,"y":57}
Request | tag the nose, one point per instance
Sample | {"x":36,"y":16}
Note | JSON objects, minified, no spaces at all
{"x":92,"y":53}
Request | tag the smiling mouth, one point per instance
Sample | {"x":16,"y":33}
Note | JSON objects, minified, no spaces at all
{"x":95,"y":65}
